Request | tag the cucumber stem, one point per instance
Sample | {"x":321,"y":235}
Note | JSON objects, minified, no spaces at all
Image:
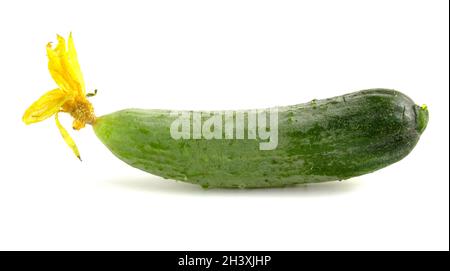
{"x":422,"y":116}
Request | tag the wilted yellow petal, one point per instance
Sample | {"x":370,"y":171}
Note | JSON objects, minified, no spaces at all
{"x":63,"y":70}
{"x":46,"y":106}
{"x":69,"y":141}
{"x":56,"y":71}
{"x":60,"y":48}
{"x":73,"y":59}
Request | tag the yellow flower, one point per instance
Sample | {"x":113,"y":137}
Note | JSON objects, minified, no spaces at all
{"x":69,"y":97}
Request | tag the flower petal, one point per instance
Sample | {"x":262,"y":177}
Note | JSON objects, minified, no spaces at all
{"x":63,"y":70}
{"x":56,"y":70}
{"x":67,"y":138}
{"x":46,"y":106}
{"x":73,"y":59}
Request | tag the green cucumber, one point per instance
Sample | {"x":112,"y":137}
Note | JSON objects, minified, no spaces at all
{"x":323,"y":140}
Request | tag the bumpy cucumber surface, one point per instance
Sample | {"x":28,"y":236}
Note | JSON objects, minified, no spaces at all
{"x":323,"y":140}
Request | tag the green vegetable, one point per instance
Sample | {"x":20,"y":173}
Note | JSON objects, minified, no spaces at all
{"x":323,"y":140}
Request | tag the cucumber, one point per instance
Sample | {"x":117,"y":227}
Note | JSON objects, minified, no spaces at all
{"x":323,"y":140}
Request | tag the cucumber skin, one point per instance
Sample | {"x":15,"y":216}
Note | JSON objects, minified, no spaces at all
{"x":324,"y":140}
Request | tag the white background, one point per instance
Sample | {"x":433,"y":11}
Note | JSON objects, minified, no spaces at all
{"x":220,"y":55}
